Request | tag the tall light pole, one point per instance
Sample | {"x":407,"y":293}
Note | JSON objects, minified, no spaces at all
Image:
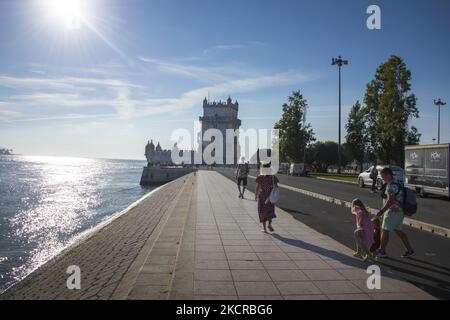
{"x":339,"y":62}
{"x":439,"y":104}
{"x":304,"y":146}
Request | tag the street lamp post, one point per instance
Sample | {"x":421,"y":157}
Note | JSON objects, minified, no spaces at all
{"x":439,"y":104}
{"x":304,"y":145}
{"x":339,"y":62}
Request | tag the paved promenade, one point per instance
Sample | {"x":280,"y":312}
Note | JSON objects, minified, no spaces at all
{"x":104,"y":258}
{"x":201,"y":242}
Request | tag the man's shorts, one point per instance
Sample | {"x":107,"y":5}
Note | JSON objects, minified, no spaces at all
{"x":393,"y":220}
{"x":242,"y":181}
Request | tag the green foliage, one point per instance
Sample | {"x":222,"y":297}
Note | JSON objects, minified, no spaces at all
{"x":295,"y":134}
{"x":356,"y":133}
{"x":324,"y":154}
{"x":413,"y":137}
{"x":389,"y":106}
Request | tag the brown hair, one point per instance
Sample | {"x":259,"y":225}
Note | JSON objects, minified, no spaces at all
{"x":357,"y":203}
{"x":388,"y":171}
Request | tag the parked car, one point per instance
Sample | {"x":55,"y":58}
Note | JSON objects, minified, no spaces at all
{"x":284,"y":168}
{"x":298,"y":169}
{"x":365,"y":180}
{"x":427,"y":169}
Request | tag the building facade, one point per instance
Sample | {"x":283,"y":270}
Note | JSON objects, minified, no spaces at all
{"x":156,"y":155}
{"x":221,"y":116}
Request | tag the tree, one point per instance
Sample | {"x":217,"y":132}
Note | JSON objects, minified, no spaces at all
{"x":324,"y":154}
{"x":413,"y":137}
{"x":356,"y":134}
{"x":295,"y":135}
{"x":389,"y":106}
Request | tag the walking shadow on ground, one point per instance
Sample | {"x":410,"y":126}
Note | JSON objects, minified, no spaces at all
{"x":432,"y":280}
{"x":295,"y":211}
{"x":331,"y":254}
{"x":420,"y":278}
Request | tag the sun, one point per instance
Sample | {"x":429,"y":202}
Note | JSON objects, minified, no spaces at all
{"x":69,"y":13}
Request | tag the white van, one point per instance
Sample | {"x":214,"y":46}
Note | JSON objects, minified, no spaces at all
{"x":298,"y":169}
{"x":284,"y":168}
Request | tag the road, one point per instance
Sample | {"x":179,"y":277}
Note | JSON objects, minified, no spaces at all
{"x":429,"y":269}
{"x":433,"y":210}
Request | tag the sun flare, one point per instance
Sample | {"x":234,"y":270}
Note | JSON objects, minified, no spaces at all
{"x":69,"y":13}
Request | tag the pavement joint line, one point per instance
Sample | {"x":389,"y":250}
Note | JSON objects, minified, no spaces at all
{"x":124,"y":288}
{"x":220,"y":236}
{"x":190,"y":192}
{"x":256,"y":222}
{"x":413,"y":223}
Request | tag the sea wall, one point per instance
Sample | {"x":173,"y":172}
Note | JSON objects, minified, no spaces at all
{"x":159,"y":175}
{"x":105,"y":255}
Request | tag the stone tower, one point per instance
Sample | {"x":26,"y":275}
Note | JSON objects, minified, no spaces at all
{"x":222,"y":116}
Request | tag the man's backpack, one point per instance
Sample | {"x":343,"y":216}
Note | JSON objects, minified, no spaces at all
{"x":409,"y":204}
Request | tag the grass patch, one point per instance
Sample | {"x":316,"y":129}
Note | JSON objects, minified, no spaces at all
{"x":336,"y":177}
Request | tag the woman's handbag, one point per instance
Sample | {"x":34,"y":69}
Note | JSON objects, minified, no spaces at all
{"x":274,"y":195}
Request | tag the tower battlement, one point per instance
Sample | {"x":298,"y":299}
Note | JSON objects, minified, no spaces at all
{"x":221,"y":116}
{"x":221,"y":104}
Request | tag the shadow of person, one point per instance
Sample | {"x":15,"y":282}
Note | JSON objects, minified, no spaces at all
{"x":326,"y":253}
{"x":437,"y":266}
{"x":294,"y":211}
{"x":385,"y":265}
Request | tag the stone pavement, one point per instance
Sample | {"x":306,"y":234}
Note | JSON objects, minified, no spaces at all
{"x":194,"y":239}
{"x":106,"y":257}
{"x":211,"y":247}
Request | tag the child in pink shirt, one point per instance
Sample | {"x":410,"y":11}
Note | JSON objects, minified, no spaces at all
{"x":364,"y":230}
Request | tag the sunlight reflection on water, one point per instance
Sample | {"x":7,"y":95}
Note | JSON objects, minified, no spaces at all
{"x":47,"y":201}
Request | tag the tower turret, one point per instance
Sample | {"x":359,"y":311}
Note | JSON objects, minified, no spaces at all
{"x":151,"y":145}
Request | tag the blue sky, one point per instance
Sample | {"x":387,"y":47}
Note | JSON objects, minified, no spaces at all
{"x":139,"y":69}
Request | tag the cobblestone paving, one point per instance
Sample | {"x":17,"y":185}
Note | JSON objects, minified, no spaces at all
{"x":105,"y":257}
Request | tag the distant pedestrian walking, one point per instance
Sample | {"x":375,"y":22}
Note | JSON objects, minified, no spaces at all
{"x":374,"y":176}
{"x":242,"y":173}
{"x":364,"y":231}
{"x":265,"y":183}
{"x":393,"y":215}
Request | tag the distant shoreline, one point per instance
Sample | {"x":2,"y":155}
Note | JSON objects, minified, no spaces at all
{"x":78,"y":157}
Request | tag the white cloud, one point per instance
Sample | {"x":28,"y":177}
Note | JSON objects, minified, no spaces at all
{"x":8,"y":115}
{"x":205,"y":74}
{"x":61,"y":82}
{"x":221,"y":47}
{"x":69,"y":116}
{"x":120,"y":95}
{"x":194,"y":97}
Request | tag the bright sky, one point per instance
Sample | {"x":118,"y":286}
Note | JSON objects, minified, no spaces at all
{"x":99,"y":78}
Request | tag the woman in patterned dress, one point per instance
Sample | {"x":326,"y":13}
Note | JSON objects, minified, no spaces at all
{"x":264,"y":185}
